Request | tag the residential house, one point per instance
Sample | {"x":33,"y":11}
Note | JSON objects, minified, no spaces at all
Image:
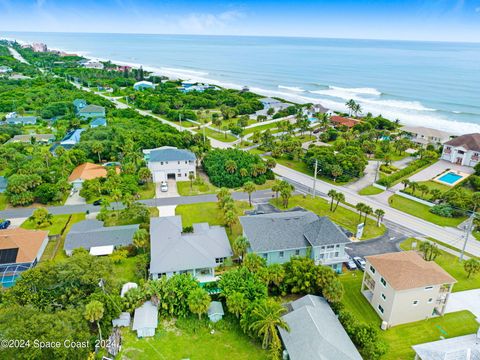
{"x":86,"y":171}
{"x":123,"y":320}
{"x":20,"y":250}
{"x":424,"y":136}
{"x":70,"y":140}
{"x":168,"y":162}
{"x":141,"y":85}
{"x":198,"y":87}
{"x":343,"y":121}
{"x":173,"y":251}
{"x":5,"y":69}
{"x":93,"y":64}
{"x":274,"y":103}
{"x":98,"y":239}
{"x":101,"y":121}
{"x":215,"y":311}
{"x":91,"y":112}
{"x":79,"y":104}
{"x":145,"y":320}
{"x":3,"y":184}
{"x":39,"y":47}
{"x":315,"y":332}
{"x":11,"y":115}
{"x":22,"y":120}
{"x":463,"y":150}
{"x":279,"y":236}
{"x":37,"y":138}
{"x":402,"y":287}
{"x":465,"y":347}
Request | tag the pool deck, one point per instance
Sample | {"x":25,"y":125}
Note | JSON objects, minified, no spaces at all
{"x":462,"y":176}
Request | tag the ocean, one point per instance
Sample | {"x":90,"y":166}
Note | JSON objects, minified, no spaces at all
{"x":431,"y":84}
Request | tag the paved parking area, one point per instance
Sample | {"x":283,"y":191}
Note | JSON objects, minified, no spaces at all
{"x":464,"y":300}
{"x":172,"y":190}
{"x":167,"y":210}
{"x":381,"y":245}
{"x":75,"y":199}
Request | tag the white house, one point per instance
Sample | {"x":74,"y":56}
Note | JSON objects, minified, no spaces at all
{"x":143,"y":85}
{"x":424,"y":136}
{"x":92,"y":64}
{"x":463,"y":150}
{"x":168,"y":162}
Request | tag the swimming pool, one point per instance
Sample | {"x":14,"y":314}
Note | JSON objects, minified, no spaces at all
{"x":312,"y":119}
{"x":8,"y":280}
{"x":450,"y":178}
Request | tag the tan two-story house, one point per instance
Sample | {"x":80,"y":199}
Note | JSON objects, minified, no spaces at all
{"x":402,"y":287}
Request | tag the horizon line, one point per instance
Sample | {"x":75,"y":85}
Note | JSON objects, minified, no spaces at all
{"x":252,"y":36}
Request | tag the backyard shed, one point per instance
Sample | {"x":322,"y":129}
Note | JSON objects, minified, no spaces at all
{"x":145,"y":320}
{"x":122,"y":320}
{"x":215,"y":311}
{"x":126,"y":287}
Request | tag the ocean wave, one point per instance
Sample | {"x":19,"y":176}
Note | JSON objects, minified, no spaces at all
{"x":291,"y":88}
{"x":356,"y":91}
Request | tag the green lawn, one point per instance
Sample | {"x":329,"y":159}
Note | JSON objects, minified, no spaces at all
{"x":297,"y":165}
{"x":431,"y":185}
{"x":126,"y":271}
{"x":210,"y":213}
{"x":342,"y":216}
{"x":217,"y":135}
{"x":185,"y":189}
{"x":147,"y":191}
{"x":353,"y":299}
{"x":58,"y":223}
{"x":454,"y":267}
{"x":422,"y":211}
{"x":57,"y":251}
{"x":401,"y":338}
{"x":3,"y":201}
{"x":114,"y":218}
{"x":260,"y":128}
{"x":370,"y":190}
{"x":192,"y":339}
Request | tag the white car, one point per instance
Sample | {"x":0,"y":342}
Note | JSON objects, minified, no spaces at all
{"x":163,"y":186}
{"x":360,"y":262}
{"x":351,"y":264}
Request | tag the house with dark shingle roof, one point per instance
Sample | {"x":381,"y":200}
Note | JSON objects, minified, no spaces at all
{"x":98,"y":239}
{"x":91,"y":111}
{"x":315,"y":332}
{"x":168,"y":162}
{"x":463,"y":150}
{"x":279,"y":236}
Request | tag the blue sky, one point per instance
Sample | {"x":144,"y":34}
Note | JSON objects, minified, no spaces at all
{"x":442,"y":20}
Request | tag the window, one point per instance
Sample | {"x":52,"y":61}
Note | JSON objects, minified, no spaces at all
{"x":337,"y":253}
{"x":323,"y":247}
{"x":321,"y":256}
{"x":384,"y":297}
{"x":161,"y":162}
{"x":178,"y":162}
{"x":186,"y":162}
{"x":185,"y":174}
{"x":265,"y":256}
{"x":219,"y":260}
{"x":380,"y":308}
{"x":280,"y":254}
{"x":179,"y":175}
{"x":430,"y":300}
{"x":372,"y":269}
{"x":166,"y":162}
{"x":415,"y":302}
{"x":429,"y":288}
{"x":384,"y":283}
{"x":330,"y":247}
{"x":297,"y":252}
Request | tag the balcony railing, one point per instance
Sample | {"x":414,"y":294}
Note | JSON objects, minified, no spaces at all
{"x":370,"y":283}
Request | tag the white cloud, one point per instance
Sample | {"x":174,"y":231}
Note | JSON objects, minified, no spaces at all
{"x":202,"y":23}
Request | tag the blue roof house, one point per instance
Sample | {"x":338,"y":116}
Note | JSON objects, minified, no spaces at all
{"x":22,"y":120}
{"x":101,"y":121}
{"x":69,"y":141}
{"x":79,"y":104}
{"x":91,"y":112}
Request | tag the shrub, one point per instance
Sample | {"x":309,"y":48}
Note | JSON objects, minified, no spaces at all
{"x":446,"y":210}
{"x":414,"y":166}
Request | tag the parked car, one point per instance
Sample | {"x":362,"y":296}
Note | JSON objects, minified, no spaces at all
{"x":97,"y":202}
{"x":316,"y":131}
{"x":360,"y":262}
{"x":163,"y":186}
{"x":351,"y":264}
{"x":4,"y":224}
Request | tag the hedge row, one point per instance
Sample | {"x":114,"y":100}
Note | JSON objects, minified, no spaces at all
{"x":414,"y":166}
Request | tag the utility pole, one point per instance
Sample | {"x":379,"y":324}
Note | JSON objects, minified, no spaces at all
{"x":180,"y":118}
{"x":315,"y":177}
{"x":468,"y":230}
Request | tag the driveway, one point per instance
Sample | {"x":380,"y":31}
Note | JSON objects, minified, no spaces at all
{"x":75,"y":199}
{"x":172,"y":190}
{"x":367,"y":179}
{"x":384,"y":244}
{"x":464,"y":300}
{"x":167,"y":210}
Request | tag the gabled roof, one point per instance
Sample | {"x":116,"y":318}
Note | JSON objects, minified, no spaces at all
{"x":457,"y":348}
{"x":408,"y":270}
{"x":290,"y":230}
{"x":28,"y":242}
{"x":315,"y":332}
{"x":467,"y":141}
{"x":26,"y":138}
{"x":170,"y":153}
{"x":340,"y":120}
{"x":425,"y":131}
{"x":100,"y":121}
{"x":79,"y":102}
{"x":146,"y":316}
{"x":22,"y":119}
{"x":72,"y":137}
{"x":170,"y":250}
{"x":91,"y":233}
{"x":87,"y":171}
{"x":92,"y":109}
{"x":215,"y":308}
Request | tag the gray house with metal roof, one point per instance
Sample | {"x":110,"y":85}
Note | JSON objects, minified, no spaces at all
{"x":315,"y":332}
{"x":91,"y":111}
{"x":279,"y":236}
{"x":22,"y":120}
{"x":168,"y":162}
{"x":198,"y":253}
{"x":98,"y":239}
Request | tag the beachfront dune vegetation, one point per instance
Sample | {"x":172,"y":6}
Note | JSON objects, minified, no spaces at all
{"x":233,"y":168}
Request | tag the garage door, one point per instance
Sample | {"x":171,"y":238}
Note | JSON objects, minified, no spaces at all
{"x":171,"y":176}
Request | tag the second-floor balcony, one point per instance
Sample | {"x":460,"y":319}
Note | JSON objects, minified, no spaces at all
{"x":332,"y":260}
{"x":369,"y":283}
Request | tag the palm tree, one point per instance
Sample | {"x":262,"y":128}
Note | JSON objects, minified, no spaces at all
{"x":332,"y":194}
{"x":94,"y":312}
{"x":276,"y":187}
{"x":267,"y":317}
{"x":140,"y":239}
{"x":286,"y":192}
{"x":424,"y":189}
{"x":240,"y":246}
{"x":379,"y":213}
{"x":249,"y":188}
{"x":406,"y":184}
{"x":144,"y":174}
{"x":336,"y":171}
{"x":367,"y":210}
{"x":237,"y":303}
{"x":191,"y":177}
{"x":243,"y":172}
{"x":350,"y":104}
{"x":414,"y":186}
{"x":339,"y":197}
{"x":97,"y":148}
{"x":199,"y":301}
{"x":221,"y":196}
{"x":360,"y":208}
{"x":231,"y":166}
{"x":230,"y":219}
